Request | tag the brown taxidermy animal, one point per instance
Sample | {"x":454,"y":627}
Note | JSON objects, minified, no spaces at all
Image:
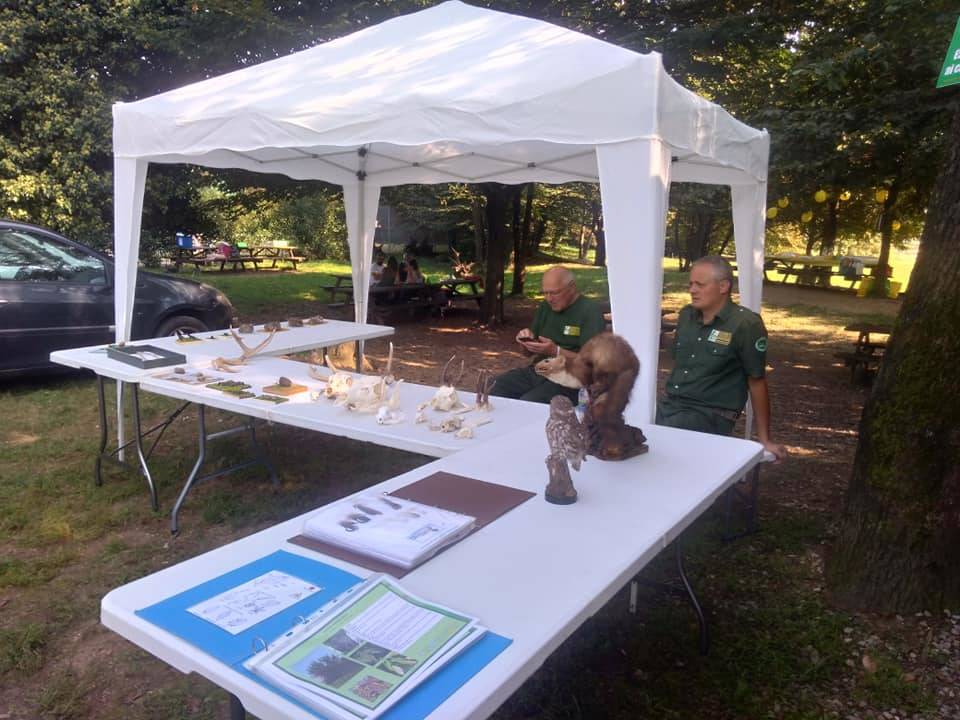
{"x":606,"y":365}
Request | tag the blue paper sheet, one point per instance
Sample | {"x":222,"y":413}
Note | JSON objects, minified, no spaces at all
{"x":172,"y":615}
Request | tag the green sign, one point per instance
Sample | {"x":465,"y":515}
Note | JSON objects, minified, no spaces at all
{"x":950,"y":72}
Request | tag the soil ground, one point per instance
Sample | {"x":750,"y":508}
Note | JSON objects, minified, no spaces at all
{"x":617,"y":665}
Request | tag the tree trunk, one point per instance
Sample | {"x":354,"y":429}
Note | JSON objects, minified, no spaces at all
{"x":521,"y":254}
{"x":896,"y":550}
{"x":480,"y":245}
{"x":881,"y":273}
{"x":829,"y":239}
{"x":497,"y":195}
{"x":600,"y":258}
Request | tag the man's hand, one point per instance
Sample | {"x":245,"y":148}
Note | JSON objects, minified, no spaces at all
{"x":775,"y":449}
{"x":543,"y":346}
{"x":525,"y":333}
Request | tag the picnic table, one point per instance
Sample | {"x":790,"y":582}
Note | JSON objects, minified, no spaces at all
{"x":202,"y":255}
{"x":274,"y":253}
{"x":815,"y":270}
{"x":864,"y":359}
{"x":456,"y":289}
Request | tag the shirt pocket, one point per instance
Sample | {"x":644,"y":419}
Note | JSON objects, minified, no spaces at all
{"x":718,"y":355}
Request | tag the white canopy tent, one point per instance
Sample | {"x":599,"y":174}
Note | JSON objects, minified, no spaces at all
{"x":456,"y":93}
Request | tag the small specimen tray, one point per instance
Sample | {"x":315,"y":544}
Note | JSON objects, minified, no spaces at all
{"x":144,"y":356}
{"x":233,"y":387}
{"x":272,"y":398}
{"x":285,"y":390}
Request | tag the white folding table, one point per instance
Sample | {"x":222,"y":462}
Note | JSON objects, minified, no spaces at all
{"x":323,"y":415}
{"x":533,"y":575}
{"x":211,"y":345}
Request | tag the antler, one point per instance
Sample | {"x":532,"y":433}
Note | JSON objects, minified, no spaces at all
{"x":485,"y":383}
{"x":443,"y":377}
{"x":248,"y":352}
{"x":389,"y":361}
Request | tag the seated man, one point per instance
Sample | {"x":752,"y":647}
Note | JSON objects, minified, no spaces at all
{"x":564,"y":321}
{"x":720,"y":352}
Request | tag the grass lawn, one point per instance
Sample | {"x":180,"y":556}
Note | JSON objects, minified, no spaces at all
{"x":779,"y":648}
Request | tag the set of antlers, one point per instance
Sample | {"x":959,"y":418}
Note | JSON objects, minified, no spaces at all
{"x":485,"y":381}
{"x":246,"y":352}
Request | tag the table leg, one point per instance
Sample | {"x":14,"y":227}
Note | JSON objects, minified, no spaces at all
{"x":262,"y":457}
{"x":236,"y":708}
{"x":750,"y":507}
{"x":138,"y":438}
{"x":194,"y":477}
{"x":191,"y":478}
{"x":687,"y":590}
{"x":701,"y":618}
{"x":101,"y":399}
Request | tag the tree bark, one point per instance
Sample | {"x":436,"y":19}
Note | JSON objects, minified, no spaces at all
{"x":497,"y":195}
{"x":896,"y":549}
{"x":600,"y":257}
{"x":522,"y":251}
{"x":882,"y":272}
{"x":828,"y":241}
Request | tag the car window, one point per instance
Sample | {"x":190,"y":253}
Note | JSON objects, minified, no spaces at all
{"x":26,"y":256}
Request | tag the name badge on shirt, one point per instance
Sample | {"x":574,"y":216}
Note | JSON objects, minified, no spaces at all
{"x":572,"y":330}
{"x":720,"y":337}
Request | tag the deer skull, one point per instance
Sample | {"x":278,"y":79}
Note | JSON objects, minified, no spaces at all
{"x":446,"y":398}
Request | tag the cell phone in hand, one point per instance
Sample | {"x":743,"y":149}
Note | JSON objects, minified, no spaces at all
{"x":530,"y":339}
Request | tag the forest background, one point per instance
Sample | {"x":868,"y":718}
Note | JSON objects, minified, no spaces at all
{"x":843,"y":86}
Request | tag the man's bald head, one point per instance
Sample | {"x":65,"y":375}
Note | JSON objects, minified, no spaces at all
{"x":559,"y":288}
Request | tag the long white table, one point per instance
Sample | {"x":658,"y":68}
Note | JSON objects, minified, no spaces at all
{"x":534,"y":575}
{"x":323,"y":415}
{"x":212,"y":344}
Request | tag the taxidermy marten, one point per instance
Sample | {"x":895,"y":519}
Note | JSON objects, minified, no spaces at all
{"x":606,"y":365}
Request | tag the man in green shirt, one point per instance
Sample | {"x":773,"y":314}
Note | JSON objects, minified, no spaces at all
{"x":564,"y":321}
{"x":720,"y":357}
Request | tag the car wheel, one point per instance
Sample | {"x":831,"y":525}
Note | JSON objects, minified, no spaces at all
{"x":180,"y":322}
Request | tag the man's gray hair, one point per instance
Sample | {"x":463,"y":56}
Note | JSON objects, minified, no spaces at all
{"x":722,"y":270}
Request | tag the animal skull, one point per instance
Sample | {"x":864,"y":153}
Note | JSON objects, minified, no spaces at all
{"x":446,"y":398}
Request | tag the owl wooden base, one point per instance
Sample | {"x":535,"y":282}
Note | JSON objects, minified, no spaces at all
{"x":560,"y":490}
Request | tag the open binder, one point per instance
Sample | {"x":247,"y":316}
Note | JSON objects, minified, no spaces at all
{"x":481,"y":500}
{"x":236,"y":649}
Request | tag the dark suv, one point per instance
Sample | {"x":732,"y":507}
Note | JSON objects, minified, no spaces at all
{"x":56,"y":294}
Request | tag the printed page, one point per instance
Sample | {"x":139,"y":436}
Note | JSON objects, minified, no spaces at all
{"x":369,"y":651}
{"x":399,"y":531}
{"x":244,"y":606}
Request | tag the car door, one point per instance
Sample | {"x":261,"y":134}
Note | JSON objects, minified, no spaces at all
{"x":53,"y":295}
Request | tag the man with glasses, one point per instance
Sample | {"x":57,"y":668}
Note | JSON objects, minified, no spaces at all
{"x":565,"y":320}
{"x":721,"y":355}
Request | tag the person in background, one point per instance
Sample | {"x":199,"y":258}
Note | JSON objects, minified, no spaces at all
{"x":414,"y":276}
{"x":376,"y":270}
{"x":564,"y":321}
{"x":720,"y":352}
{"x":404,"y":266}
{"x":388,"y":279}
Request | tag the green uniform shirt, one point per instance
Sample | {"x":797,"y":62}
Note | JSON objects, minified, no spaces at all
{"x":571,"y":327}
{"x":714,"y":361}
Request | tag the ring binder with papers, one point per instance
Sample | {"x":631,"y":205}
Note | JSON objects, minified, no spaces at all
{"x":173,"y":615}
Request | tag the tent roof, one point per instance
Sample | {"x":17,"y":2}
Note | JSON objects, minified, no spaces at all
{"x":451,"y":93}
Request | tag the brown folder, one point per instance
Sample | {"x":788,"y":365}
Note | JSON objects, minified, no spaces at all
{"x":482,"y":500}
